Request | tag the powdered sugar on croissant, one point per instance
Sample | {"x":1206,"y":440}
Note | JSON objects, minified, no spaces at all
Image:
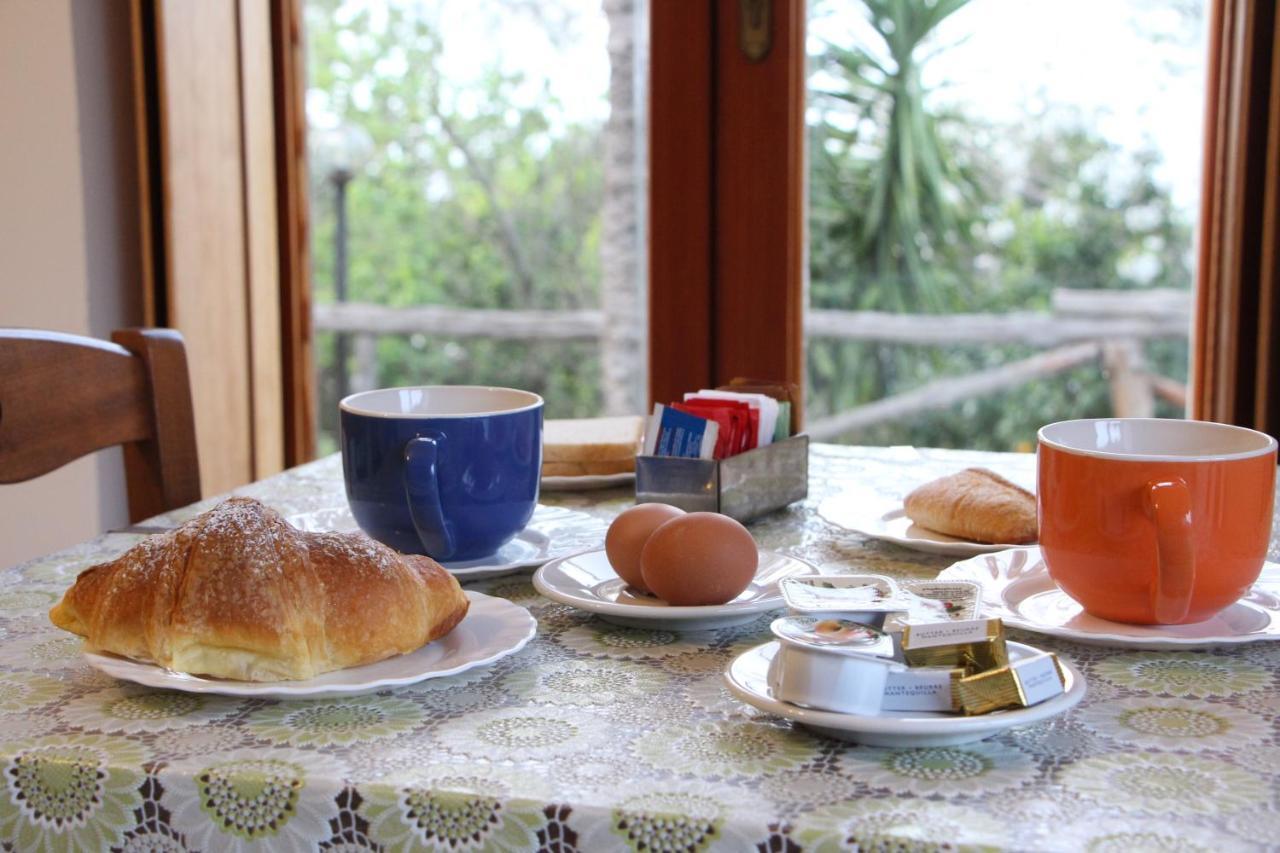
{"x":239,"y":593}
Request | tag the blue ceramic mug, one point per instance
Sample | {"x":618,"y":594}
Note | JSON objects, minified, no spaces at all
{"x":450,"y":471}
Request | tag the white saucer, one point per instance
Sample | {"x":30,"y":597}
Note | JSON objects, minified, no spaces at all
{"x":493,"y":628}
{"x":530,"y":547}
{"x":748,"y":679}
{"x":587,"y":482}
{"x":879,"y":517}
{"x":1016,"y":587}
{"x":587,"y":581}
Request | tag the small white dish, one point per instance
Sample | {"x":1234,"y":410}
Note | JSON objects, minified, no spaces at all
{"x":1016,"y":587}
{"x":530,"y":547}
{"x":588,"y":482}
{"x":492,"y":629}
{"x":748,"y":679}
{"x":587,"y":581}
{"x":879,"y":517}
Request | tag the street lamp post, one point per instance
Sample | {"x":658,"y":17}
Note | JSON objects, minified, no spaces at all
{"x":339,"y":152}
{"x":340,"y":178}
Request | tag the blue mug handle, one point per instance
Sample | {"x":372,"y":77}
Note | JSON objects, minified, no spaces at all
{"x":423,"y":493}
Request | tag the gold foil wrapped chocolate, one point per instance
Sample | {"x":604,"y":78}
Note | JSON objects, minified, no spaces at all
{"x":975,"y":645}
{"x":1021,"y":684}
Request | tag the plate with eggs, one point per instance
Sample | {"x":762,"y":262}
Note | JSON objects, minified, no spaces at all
{"x":665,"y":569}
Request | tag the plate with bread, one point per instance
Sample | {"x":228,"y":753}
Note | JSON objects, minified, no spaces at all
{"x":590,"y":453}
{"x":974,"y":511}
{"x":239,"y":602}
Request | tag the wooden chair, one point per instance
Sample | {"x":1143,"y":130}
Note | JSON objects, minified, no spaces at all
{"x":62,"y":396}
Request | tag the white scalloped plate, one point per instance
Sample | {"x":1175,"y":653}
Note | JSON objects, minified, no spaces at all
{"x":1016,"y":587}
{"x":748,"y":679}
{"x":492,"y":629}
{"x":587,"y":581}
{"x":879,"y":517}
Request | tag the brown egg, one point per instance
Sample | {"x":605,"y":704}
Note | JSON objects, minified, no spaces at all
{"x":699,"y":558}
{"x":627,"y":535}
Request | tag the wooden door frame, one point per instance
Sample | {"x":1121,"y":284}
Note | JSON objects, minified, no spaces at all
{"x":1236,"y":339}
{"x":726,"y":209}
{"x":263,"y":55}
{"x":298,"y":358}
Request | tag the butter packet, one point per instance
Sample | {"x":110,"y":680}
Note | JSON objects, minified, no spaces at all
{"x":974,"y":644}
{"x":923,"y":689}
{"x":1020,"y":684}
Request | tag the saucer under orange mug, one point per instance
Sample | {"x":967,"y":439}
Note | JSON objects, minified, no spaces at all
{"x":1153,"y":521}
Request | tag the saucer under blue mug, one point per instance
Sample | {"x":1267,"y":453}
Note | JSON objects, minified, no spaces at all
{"x":450,"y":471}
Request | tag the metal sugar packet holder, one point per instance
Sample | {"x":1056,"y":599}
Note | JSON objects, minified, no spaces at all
{"x":742,"y":487}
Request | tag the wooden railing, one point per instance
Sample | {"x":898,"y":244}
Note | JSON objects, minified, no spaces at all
{"x":1081,"y":326}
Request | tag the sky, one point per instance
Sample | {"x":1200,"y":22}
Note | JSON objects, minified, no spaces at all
{"x":1134,"y":69}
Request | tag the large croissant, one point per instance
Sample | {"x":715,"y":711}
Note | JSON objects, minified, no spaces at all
{"x":239,"y":593}
{"x":975,"y":504}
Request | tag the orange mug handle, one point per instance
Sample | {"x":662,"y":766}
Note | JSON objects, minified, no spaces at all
{"x":1168,"y":503}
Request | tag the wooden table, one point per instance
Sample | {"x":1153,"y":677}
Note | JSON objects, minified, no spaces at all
{"x":597,"y":737}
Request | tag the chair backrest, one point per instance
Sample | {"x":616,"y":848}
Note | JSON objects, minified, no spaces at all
{"x":62,"y":396}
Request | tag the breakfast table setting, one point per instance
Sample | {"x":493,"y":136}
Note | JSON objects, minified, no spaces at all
{"x":559,"y":704}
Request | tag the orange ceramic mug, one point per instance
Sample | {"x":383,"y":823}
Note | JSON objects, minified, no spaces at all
{"x":1154,"y":521}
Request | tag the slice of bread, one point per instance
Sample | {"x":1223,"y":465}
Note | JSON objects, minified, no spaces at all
{"x":588,"y":469}
{"x":592,"y":440}
{"x":975,"y":504}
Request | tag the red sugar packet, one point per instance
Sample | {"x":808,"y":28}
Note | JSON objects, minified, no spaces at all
{"x":751,"y":435}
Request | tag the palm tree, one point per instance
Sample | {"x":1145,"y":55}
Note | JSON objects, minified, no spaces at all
{"x":892,"y":203}
{"x":912,"y":199}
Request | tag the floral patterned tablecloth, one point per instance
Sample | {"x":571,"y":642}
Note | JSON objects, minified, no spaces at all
{"x":596,"y":737}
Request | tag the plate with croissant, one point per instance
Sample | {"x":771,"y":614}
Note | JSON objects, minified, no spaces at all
{"x":974,"y":511}
{"x":238,"y":602}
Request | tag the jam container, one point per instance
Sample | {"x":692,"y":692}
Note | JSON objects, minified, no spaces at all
{"x":831,"y":663}
{"x":866,"y":599}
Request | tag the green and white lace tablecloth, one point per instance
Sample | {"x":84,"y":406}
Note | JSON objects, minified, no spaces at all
{"x":596,"y":737}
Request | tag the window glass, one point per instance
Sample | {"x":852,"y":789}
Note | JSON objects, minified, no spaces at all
{"x":1002,"y":204}
{"x":477,"y":173}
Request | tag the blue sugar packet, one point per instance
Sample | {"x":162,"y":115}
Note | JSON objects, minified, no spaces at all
{"x":675,"y":433}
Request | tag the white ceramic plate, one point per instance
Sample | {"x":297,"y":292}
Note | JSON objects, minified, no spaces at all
{"x":748,"y":679}
{"x":587,"y":581}
{"x":1016,"y":587}
{"x":588,"y":482}
{"x":492,"y":629}
{"x":880,"y":517}
{"x":531,"y":547}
